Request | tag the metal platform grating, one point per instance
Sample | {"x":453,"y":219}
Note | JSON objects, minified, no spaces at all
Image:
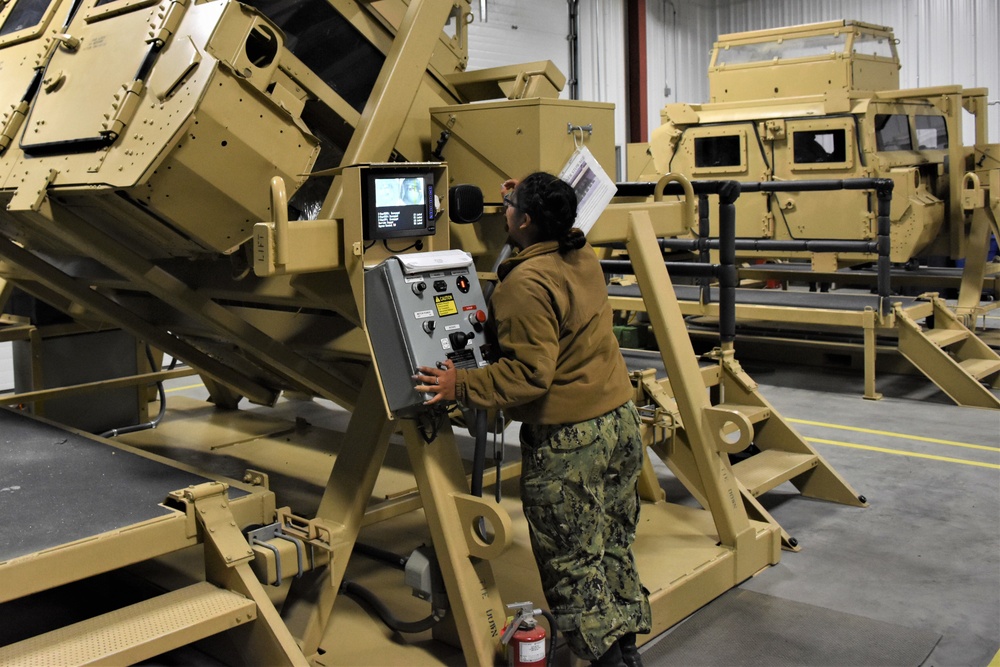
{"x":58,"y":486}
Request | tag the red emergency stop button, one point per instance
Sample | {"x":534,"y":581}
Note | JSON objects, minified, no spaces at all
{"x":477,"y":320}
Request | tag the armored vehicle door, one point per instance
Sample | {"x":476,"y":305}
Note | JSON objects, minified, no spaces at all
{"x":23,"y":26}
{"x":95,"y":75}
{"x":821,"y":148}
{"x":723,"y":152}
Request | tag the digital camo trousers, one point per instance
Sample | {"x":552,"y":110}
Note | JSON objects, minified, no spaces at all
{"x":578,"y":487}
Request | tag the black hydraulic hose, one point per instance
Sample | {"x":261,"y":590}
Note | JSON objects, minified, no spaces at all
{"x":397,"y":561}
{"x":550,"y":658}
{"x":366,"y":597}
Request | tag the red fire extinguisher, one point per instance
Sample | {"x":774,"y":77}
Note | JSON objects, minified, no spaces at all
{"x":527,"y":645}
{"x":524,"y":637}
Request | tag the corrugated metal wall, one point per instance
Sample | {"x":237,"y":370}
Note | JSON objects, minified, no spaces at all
{"x":517,"y":31}
{"x":942,"y":42}
{"x":603,"y":58}
{"x":679,"y":36}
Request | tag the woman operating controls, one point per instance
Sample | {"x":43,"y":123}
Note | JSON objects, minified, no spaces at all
{"x":562,"y":375}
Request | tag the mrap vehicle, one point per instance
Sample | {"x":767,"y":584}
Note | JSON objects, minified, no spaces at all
{"x":822,"y":101}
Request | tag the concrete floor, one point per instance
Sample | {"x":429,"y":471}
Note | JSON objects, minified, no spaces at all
{"x":925,"y":554}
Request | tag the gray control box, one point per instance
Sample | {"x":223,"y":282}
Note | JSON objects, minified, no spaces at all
{"x":420,"y":309}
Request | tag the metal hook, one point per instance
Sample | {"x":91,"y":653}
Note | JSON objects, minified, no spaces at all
{"x":572,"y":129}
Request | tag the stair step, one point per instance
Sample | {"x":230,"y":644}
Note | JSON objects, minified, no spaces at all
{"x":980,"y":368}
{"x":755,"y":413}
{"x":138,"y":632}
{"x":770,"y":468}
{"x":946,"y":337}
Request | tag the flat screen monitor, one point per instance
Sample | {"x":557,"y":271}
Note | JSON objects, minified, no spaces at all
{"x":399,"y":204}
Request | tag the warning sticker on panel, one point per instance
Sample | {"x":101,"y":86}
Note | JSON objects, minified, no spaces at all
{"x":445,"y":304}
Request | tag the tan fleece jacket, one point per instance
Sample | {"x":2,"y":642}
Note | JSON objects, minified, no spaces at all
{"x":559,"y":360}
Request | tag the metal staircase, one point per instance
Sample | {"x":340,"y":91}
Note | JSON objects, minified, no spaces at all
{"x":782,"y":455}
{"x":138,"y":632}
{"x":951,"y":356}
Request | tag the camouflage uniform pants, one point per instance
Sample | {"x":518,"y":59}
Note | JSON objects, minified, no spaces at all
{"x":578,"y":487}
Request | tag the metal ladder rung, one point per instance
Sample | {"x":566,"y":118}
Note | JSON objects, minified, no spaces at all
{"x":755,"y":413}
{"x":764,"y":471}
{"x":946,"y":337}
{"x":980,"y":368}
{"x":137,"y":632}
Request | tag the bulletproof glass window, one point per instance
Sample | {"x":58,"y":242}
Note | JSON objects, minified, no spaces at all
{"x":785,"y":49}
{"x":328,"y":44}
{"x":892,"y":132}
{"x":873,"y":45}
{"x":25,"y":14}
{"x":721,"y":151}
{"x":811,"y":147}
{"x":932,"y":132}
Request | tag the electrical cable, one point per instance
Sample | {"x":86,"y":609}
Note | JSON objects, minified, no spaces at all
{"x":418,"y":244}
{"x":146,"y":425}
{"x":367,"y":598}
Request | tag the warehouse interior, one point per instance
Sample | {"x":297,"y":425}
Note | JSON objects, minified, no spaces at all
{"x":212,"y":452}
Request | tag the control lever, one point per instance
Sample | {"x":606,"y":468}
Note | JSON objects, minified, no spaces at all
{"x":498,"y":452}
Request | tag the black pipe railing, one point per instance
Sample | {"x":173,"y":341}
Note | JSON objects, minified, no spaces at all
{"x":725,"y":271}
{"x":727,"y":242}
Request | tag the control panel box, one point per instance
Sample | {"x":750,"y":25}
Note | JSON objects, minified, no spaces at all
{"x":421,"y":309}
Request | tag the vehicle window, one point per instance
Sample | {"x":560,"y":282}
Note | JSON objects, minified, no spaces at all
{"x":932,"y":132}
{"x":873,"y":45}
{"x":815,"y":146}
{"x":25,"y":14}
{"x":721,"y":151}
{"x":785,"y":49}
{"x":892,"y":132}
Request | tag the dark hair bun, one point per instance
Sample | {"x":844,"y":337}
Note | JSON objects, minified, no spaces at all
{"x":551,"y":203}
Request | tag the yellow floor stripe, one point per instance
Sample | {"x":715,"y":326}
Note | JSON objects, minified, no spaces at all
{"x":904,"y":453}
{"x":891,"y":434}
{"x":995,"y":662}
{"x":190,"y":386}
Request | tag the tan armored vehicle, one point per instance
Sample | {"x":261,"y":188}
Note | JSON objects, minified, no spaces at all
{"x":796,"y":114}
{"x":822,"y":101}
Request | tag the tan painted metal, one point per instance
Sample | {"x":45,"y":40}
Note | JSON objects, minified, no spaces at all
{"x":165,"y":204}
{"x":822,"y":101}
{"x":121,"y":636}
{"x":952,"y":356}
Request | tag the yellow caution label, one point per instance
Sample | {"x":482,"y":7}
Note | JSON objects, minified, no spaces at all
{"x":445,"y":304}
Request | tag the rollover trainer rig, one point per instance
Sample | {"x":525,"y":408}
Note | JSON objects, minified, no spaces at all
{"x":207,"y":177}
{"x":793,"y":107}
